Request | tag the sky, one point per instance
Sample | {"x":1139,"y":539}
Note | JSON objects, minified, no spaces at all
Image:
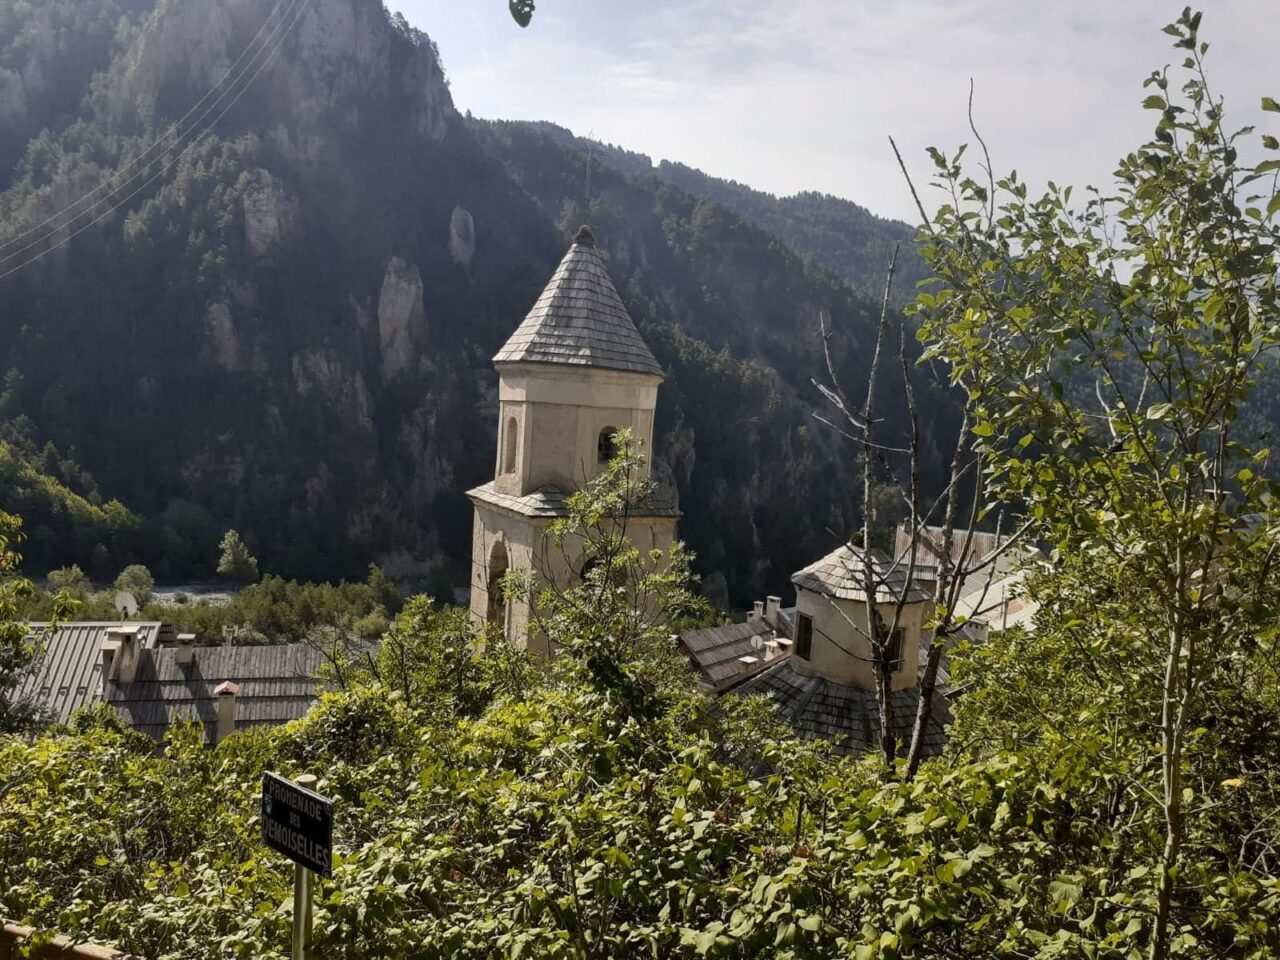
{"x":790,"y":95}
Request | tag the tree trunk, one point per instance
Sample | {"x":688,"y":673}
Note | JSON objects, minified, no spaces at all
{"x":1172,"y":717}
{"x":888,"y":742}
{"x":924,"y":707}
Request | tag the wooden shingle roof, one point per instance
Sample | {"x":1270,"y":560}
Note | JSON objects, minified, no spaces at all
{"x":715,"y":651}
{"x":579,"y":320}
{"x":841,"y":574}
{"x":276,"y":684}
{"x":818,"y":708}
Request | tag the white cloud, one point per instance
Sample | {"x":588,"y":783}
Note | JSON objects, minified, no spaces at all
{"x":802,"y":94}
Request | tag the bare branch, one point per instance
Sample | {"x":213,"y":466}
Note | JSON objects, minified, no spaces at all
{"x":924,"y":217}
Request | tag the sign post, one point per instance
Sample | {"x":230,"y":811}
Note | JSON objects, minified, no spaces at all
{"x":298,"y":822}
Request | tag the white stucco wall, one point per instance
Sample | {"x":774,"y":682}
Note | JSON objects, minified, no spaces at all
{"x":841,"y":651}
{"x":561,"y":411}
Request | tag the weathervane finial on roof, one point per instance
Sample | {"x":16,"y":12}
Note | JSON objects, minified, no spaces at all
{"x":585,"y":237}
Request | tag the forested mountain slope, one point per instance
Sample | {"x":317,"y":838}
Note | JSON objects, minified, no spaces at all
{"x":286,"y":319}
{"x":837,"y":234}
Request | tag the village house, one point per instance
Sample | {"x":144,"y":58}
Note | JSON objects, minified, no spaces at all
{"x":825,"y":687}
{"x":727,"y":656}
{"x":225,"y":688}
{"x":155,"y":677}
{"x":814,"y":660}
{"x":993,"y":595}
{"x":573,"y":374}
{"x":70,"y":672}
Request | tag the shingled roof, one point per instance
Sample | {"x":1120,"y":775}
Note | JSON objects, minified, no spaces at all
{"x":579,"y":320}
{"x":717,"y":652}
{"x":840,"y":574}
{"x":551,"y":502}
{"x":276,"y":684}
{"x":818,"y":708}
{"x":69,"y":674}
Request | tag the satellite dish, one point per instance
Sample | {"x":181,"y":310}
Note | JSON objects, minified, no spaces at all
{"x":127,"y":604}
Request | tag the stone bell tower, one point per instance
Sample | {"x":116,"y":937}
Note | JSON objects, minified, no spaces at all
{"x":574,"y":373}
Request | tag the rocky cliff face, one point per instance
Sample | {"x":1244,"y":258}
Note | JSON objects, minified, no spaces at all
{"x":402,"y":322}
{"x":292,"y":327}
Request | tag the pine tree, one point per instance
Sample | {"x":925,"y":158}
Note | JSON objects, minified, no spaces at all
{"x":236,"y":563}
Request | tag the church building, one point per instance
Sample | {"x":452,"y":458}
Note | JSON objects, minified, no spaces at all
{"x":573,"y":374}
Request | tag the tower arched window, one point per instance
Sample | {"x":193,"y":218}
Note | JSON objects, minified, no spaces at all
{"x":509,"y":438}
{"x":498,"y":565}
{"x":606,"y":445}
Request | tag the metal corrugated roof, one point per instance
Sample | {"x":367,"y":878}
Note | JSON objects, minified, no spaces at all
{"x":277,"y":684}
{"x":820,"y":708}
{"x":841,"y":574}
{"x":70,"y":672}
{"x":580,"y":320}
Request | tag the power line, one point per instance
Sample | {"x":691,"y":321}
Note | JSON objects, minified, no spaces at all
{"x":25,"y":248}
{"x":167,"y":167}
{"x":19,"y":238}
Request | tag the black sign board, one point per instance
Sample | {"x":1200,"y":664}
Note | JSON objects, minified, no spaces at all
{"x":298,"y":823}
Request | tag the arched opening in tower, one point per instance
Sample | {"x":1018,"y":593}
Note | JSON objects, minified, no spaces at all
{"x":498,"y":566}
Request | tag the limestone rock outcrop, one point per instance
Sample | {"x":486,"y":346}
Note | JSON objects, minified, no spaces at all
{"x":462,"y":236}
{"x":402,"y":321}
{"x":269,"y":214}
{"x":222,"y":342}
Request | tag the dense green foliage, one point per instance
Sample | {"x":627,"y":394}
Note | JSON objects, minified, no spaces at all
{"x":549,"y":823}
{"x":19,"y":651}
{"x":273,"y":610}
{"x":69,"y":522}
{"x":1158,"y":296}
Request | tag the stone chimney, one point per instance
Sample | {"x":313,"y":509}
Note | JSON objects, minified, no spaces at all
{"x":226,"y":693}
{"x":121,"y":653}
{"x":109,"y":650}
{"x":757,"y":611}
{"x":186,"y":652}
{"x":772,"y":612}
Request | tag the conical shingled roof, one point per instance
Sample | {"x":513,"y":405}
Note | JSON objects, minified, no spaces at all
{"x":579,"y":320}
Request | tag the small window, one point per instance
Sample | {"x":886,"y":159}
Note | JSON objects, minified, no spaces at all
{"x":606,"y":446}
{"x":510,"y":436}
{"x":804,"y":635}
{"x":896,"y":659}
